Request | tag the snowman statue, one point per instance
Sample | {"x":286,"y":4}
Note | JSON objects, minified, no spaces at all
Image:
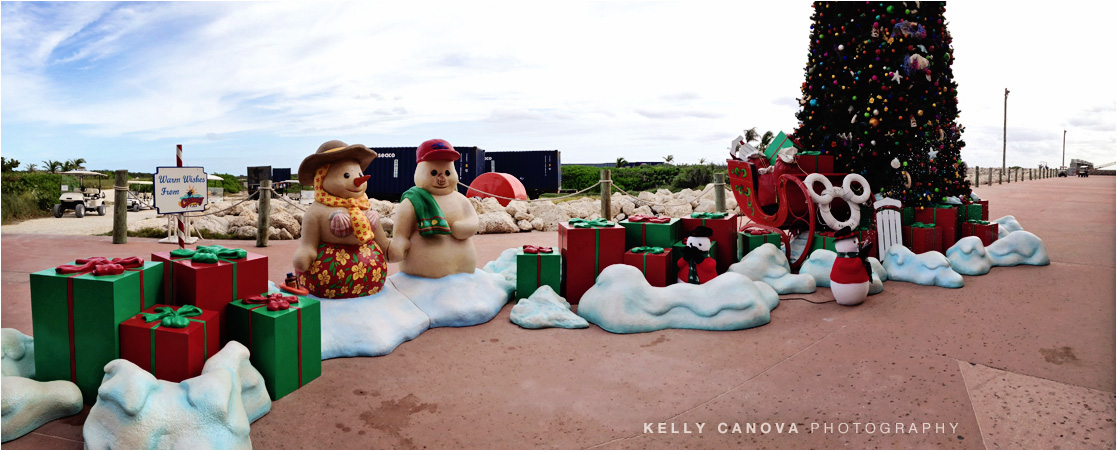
{"x":696,"y":266}
{"x":850,"y":275}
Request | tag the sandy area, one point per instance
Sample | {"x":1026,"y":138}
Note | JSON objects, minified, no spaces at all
{"x":91,"y":224}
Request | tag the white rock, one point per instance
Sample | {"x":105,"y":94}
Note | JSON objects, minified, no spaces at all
{"x":525,"y":225}
{"x":496,"y":222}
{"x":491,"y":205}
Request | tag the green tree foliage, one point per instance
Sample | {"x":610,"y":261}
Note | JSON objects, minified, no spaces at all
{"x":52,"y":166}
{"x":879,"y":87}
{"x":231,"y":184}
{"x":642,"y":178}
{"x":73,"y":164}
{"x":8,"y":165}
{"x":29,"y":194}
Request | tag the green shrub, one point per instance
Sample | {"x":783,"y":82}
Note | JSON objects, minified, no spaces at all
{"x":43,"y":187}
{"x":696,"y":176}
{"x":580,"y":177}
{"x":22,"y":206}
{"x":231,"y":184}
{"x":630,"y":179}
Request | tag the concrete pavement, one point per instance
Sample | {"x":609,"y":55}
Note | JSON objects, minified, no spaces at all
{"x":1022,"y":357}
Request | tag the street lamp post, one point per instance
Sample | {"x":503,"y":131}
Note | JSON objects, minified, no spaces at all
{"x":1004,"y":138}
{"x":1064,"y":163}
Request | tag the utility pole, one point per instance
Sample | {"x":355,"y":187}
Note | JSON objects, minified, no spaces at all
{"x":1064,"y":163}
{"x":1004,"y":137}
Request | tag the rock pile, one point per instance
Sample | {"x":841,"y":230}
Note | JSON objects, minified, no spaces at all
{"x":544,"y":215}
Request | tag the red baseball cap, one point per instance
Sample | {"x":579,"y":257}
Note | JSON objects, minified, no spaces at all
{"x":436,"y":150}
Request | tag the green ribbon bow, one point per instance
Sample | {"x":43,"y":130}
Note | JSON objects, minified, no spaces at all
{"x":210,"y":254}
{"x":653,"y":250}
{"x":709,"y":215}
{"x":811,"y":153}
{"x":170,"y":318}
{"x":978,"y":222}
{"x":595,"y":223}
{"x":922,"y":225}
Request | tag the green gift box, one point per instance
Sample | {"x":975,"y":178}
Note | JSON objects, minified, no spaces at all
{"x":823,"y":240}
{"x":677,"y":252}
{"x":535,"y":267}
{"x":285,"y":341}
{"x":747,"y":242}
{"x":970,"y":212}
{"x":76,"y":316}
{"x":907,"y":215}
{"x":781,"y":141}
{"x":647,"y":231}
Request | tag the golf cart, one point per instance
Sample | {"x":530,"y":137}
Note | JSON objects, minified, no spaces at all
{"x":138,"y":201}
{"x":78,"y":197}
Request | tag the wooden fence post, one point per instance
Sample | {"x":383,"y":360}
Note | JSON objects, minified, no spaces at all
{"x":263,"y":210}
{"x":606,"y":195}
{"x":977,"y":176}
{"x":719,"y":192}
{"x":120,"y":208}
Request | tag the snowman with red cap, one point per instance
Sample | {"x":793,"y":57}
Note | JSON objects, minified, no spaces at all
{"x":850,"y":276}
{"x":696,"y":266}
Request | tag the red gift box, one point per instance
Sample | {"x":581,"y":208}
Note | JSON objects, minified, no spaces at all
{"x":920,"y":238}
{"x":724,"y":227}
{"x":212,"y":277}
{"x":945,"y":220}
{"x":985,"y":230}
{"x":984,"y":209}
{"x":157,"y":341}
{"x":811,"y":163}
{"x":655,"y":265}
{"x":588,"y":247}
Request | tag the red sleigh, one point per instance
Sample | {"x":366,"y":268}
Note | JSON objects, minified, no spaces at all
{"x":777,"y":200}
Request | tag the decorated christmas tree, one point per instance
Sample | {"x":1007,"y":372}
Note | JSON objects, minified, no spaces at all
{"x":881,"y":97}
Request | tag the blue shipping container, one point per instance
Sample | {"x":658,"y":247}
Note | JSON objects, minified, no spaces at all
{"x":540,"y":171}
{"x":393,"y":171}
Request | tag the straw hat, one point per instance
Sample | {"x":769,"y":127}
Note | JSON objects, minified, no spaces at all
{"x":333,"y":151}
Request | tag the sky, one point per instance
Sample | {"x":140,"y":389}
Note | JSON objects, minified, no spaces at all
{"x":247,"y":84}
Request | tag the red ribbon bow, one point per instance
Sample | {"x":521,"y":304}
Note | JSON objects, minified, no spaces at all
{"x":532,"y":250}
{"x":274,"y":300}
{"x":757,"y":231}
{"x":101,"y":266}
{"x":649,"y":219}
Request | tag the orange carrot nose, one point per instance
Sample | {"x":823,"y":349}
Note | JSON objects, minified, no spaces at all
{"x":361,"y":180}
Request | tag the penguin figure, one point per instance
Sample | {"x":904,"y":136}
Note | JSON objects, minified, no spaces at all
{"x":851,"y":275}
{"x":696,"y":266}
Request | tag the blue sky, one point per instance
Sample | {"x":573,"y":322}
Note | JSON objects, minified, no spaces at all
{"x":241,"y":84}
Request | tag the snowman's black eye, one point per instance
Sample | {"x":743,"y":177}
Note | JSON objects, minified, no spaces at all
{"x":447,"y":172}
{"x":346,"y":175}
{"x":434,"y":173}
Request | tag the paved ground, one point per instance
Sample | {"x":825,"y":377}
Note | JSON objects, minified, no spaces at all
{"x":1020,"y":358}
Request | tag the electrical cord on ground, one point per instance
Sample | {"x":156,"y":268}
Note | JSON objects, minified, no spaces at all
{"x":807,"y":300}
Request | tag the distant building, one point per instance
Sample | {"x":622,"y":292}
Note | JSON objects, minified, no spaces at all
{"x":1076,"y":163}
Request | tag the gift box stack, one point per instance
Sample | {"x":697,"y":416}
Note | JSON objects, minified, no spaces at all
{"x":76,"y":312}
{"x":815,"y":161}
{"x":946,"y":222}
{"x":587,"y":248}
{"x":649,"y":240}
{"x":167,"y":316}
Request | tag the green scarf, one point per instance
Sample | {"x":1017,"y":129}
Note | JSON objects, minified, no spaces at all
{"x":427,"y":212}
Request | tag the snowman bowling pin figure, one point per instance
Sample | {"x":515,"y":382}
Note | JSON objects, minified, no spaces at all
{"x":850,"y":275}
{"x":696,"y":266}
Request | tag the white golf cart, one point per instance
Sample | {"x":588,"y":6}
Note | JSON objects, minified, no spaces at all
{"x":78,"y":197}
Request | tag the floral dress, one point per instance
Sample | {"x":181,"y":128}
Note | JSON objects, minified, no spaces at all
{"x":346,"y":271}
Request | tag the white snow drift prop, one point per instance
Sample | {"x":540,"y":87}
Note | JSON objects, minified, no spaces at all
{"x":28,"y":404}
{"x":1006,"y":225}
{"x":545,"y":309}
{"x":1019,"y":247}
{"x":968,"y":256}
{"x":768,"y":264}
{"x":928,"y":269}
{"x":136,"y":411}
{"x":622,"y":301}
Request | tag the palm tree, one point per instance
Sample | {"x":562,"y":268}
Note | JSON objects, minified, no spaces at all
{"x":73,"y":164}
{"x":765,"y":140}
{"x":751,"y":134}
{"x":52,"y":166}
{"x":31,"y":167}
{"x":621,"y":162}
{"x":669,"y":159}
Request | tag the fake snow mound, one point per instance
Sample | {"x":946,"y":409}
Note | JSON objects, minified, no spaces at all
{"x":408,"y":305}
{"x":768,"y":264}
{"x":545,"y":309}
{"x":1006,"y":225}
{"x":970,"y":257}
{"x":213,"y":410}
{"x":819,"y":264}
{"x":928,"y":269}
{"x":622,"y":301}
{"x":28,"y":404}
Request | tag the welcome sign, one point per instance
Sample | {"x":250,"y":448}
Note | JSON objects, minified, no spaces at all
{"x":180,"y":189}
